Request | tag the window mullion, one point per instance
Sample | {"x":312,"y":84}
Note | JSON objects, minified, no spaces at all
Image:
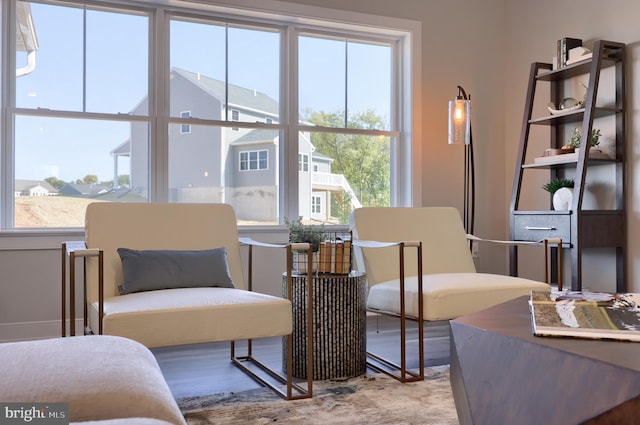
{"x":84,"y":58}
{"x":289,"y":112}
{"x":158,"y":107}
{"x":8,"y":90}
{"x":346,"y":84}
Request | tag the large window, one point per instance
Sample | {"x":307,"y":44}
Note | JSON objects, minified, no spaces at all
{"x":254,"y":160}
{"x":101,"y":108}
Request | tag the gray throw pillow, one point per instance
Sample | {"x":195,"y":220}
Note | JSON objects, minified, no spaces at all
{"x":147,"y":270}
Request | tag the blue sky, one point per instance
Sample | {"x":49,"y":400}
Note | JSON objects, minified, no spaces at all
{"x":116,"y":80}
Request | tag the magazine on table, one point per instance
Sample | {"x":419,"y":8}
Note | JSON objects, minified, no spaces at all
{"x":593,"y":315}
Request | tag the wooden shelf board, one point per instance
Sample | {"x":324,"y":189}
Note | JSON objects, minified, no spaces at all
{"x":575,"y":115}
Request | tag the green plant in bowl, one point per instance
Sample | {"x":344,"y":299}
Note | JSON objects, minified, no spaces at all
{"x":305,"y":233}
{"x":557,"y":183}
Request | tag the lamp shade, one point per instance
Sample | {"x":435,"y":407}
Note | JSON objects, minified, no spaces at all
{"x":459,"y":121}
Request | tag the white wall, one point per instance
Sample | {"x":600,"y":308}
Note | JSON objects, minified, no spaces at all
{"x":487,"y":48}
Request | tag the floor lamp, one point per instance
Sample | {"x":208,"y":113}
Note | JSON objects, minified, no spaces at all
{"x":460,"y":133}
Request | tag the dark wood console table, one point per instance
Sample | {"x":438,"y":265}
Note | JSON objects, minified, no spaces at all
{"x":502,"y":374}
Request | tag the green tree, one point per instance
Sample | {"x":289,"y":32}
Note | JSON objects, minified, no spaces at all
{"x":364,"y":160}
{"x":90,"y":179}
{"x":55,"y":182}
{"x":124,"y":180}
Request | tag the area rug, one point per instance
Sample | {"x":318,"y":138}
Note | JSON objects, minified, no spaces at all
{"x":370,"y":399}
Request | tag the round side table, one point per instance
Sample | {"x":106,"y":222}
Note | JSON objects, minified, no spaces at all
{"x":339,"y":325}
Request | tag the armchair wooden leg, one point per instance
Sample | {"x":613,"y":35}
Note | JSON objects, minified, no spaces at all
{"x":547,"y":270}
{"x":287,"y":381}
{"x":399,"y":372}
{"x":380,"y":364}
{"x":292,"y":391}
{"x":64,"y":292}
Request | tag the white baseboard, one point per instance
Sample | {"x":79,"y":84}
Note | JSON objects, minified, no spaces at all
{"x":35,"y":330}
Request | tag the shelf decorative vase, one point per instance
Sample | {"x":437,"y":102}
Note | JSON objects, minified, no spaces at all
{"x":562,"y":199}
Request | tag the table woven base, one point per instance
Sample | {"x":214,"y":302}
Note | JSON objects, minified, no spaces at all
{"x":339,"y":326}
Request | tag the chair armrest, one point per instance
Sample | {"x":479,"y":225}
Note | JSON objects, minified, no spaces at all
{"x":79,"y":249}
{"x":252,"y":242}
{"x":288,"y":246}
{"x":552,"y":241}
{"x":379,"y":244}
{"x":300,"y":246}
{"x":543,"y":242}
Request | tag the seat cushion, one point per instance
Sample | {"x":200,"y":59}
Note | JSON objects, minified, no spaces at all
{"x":450,"y":295}
{"x":101,"y":377}
{"x":194,"y":315}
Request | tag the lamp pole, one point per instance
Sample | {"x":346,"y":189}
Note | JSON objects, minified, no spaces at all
{"x":460,"y":133}
{"x":469,"y":178}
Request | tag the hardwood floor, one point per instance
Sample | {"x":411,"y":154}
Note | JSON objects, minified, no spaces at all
{"x":202,"y":369}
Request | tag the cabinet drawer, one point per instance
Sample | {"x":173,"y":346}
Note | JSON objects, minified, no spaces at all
{"x":535,"y":227}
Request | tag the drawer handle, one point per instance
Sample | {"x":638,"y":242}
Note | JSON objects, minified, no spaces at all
{"x":539,"y":228}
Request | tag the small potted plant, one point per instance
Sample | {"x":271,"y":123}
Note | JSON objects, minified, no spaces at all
{"x":299,"y":232}
{"x":562,"y":191}
{"x":557,"y":183}
{"x":576,"y":137}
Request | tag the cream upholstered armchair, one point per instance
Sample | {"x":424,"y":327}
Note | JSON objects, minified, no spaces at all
{"x":171,"y":274}
{"x":439,"y":282}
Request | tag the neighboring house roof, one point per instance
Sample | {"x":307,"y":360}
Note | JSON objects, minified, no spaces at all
{"x":257,"y":136}
{"x":123,"y":149}
{"x":239,"y":96}
{"x":83,"y":189}
{"x":26,"y":185}
{"x":317,"y":156}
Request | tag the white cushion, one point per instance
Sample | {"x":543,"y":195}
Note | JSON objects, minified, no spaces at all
{"x":101,"y":377}
{"x":450,"y":295}
{"x":193,"y":315}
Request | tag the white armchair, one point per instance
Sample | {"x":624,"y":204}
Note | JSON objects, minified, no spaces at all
{"x":177,"y":286}
{"x":443,"y":285}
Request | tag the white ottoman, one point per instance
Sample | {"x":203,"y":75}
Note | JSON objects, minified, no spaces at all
{"x":101,"y":377}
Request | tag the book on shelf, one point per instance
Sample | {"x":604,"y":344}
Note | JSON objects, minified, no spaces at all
{"x":324,"y":260}
{"x":338,"y":260}
{"x":579,"y":59}
{"x":335,"y":257}
{"x":562,"y":49}
{"x":590,"y":315}
{"x":578,"y":54}
{"x":346,"y":257}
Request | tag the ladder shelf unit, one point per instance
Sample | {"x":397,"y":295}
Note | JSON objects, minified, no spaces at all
{"x":582,"y":226}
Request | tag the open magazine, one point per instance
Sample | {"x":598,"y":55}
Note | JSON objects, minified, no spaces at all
{"x":593,"y":315}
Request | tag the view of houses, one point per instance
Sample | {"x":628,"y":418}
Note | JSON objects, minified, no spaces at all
{"x":232,"y":165}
